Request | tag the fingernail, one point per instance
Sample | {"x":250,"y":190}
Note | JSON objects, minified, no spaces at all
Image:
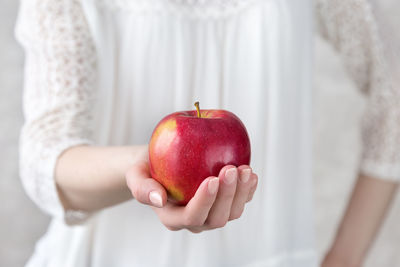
{"x":155,"y":199}
{"x":213,"y":185}
{"x":230,"y":175}
{"x":245,"y":175}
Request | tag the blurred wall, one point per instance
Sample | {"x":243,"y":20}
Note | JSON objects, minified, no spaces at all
{"x":337,"y":111}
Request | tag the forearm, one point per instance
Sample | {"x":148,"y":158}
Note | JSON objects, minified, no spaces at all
{"x":365,"y":213}
{"x":91,"y":178}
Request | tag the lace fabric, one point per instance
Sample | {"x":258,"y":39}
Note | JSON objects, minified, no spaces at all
{"x":355,"y":31}
{"x":60,"y":75}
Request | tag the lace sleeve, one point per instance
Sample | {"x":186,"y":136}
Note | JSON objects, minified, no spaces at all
{"x":353,"y":29}
{"x":59,"y":75}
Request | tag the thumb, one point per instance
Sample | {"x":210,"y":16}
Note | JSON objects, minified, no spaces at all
{"x":144,"y":189}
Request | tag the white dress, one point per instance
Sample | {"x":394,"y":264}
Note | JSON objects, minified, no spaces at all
{"x":104,"y":72}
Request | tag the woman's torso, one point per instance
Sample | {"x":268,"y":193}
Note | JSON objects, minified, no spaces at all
{"x":155,"y":57}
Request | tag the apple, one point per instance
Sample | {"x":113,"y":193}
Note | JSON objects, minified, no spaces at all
{"x":186,"y":147}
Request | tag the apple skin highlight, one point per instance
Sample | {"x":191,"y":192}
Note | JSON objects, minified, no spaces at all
{"x":186,"y":149}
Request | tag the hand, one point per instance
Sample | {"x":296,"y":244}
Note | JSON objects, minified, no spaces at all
{"x":217,"y":200}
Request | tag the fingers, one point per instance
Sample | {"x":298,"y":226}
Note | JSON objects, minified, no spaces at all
{"x":144,"y":189}
{"x":199,"y":206}
{"x":194,"y":214}
{"x":220,"y":211}
{"x":217,"y":200}
{"x":242,"y":192}
{"x":254,"y":182}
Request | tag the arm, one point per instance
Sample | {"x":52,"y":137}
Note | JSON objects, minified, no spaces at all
{"x":365,"y":213}
{"x":59,"y":80}
{"x":90,"y":178}
{"x":353,"y":30}
{"x":61,"y":171}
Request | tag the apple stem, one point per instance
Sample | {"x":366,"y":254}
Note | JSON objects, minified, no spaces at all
{"x":197,"y":105}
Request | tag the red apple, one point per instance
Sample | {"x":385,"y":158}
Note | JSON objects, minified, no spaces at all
{"x":187,"y":147}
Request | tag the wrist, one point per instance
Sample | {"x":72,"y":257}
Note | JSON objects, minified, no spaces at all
{"x":90,"y":178}
{"x":337,"y":258}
